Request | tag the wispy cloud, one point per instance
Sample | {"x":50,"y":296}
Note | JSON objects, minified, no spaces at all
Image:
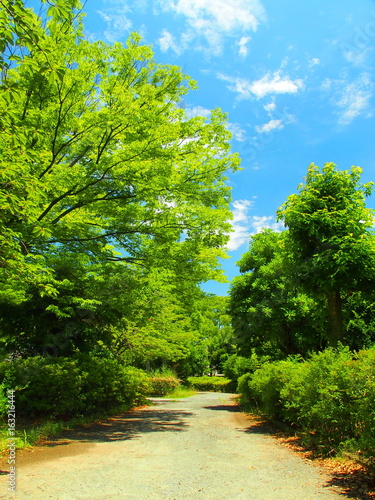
{"x":167,"y":42}
{"x":354,"y":99}
{"x":243,"y":48}
{"x":269,"y":126}
{"x":258,"y":223}
{"x":314,"y":62}
{"x":197,"y":111}
{"x":356,"y":57}
{"x":240,"y":224}
{"x":270,"y":107}
{"x":277,"y":120}
{"x":238,"y":133}
{"x":118,"y":23}
{"x":213,"y":19}
{"x":245,"y":225}
{"x":270,"y":84}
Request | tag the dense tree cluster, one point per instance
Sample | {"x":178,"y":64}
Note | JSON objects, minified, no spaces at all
{"x":313,"y":284}
{"x":114,"y":201}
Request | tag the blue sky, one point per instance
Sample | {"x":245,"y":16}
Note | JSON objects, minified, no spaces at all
{"x":296,"y":79}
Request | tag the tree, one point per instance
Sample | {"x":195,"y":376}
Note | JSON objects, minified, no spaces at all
{"x":271,"y":314}
{"x":98,"y":157}
{"x":331,"y":237}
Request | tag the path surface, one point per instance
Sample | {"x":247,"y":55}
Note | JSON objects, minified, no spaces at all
{"x":196,"y":448}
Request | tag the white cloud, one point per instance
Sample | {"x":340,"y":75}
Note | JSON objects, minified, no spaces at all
{"x":277,"y":121}
{"x":243,"y":49}
{"x":197,"y":111}
{"x":258,"y":223}
{"x":314,"y":62}
{"x":166,"y":42}
{"x":238,"y":133}
{"x":354,"y":99}
{"x":270,"y":107}
{"x":327,"y":84}
{"x":245,"y":226}
{"x":356,"y":57}
{"x":240,"y":224}
{"x":212,"y":19}
{"x":275,"y":84}
{"x":270,"y":84}
{"x":269,"y":126}
{"x":118,"y":24}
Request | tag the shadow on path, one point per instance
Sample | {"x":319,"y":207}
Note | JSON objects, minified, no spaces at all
{"x":128,"y":426}
{"x":222,"y":408}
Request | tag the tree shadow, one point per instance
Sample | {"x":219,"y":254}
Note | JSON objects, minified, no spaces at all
{"x":359,"y":485}
{"x":229,"y":407}
{"x":127,"y":426}
{"x":355,"y":481}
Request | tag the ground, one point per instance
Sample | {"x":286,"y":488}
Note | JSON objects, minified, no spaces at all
{"x":201,"y":447}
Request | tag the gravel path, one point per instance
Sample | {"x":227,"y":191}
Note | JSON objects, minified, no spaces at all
{"x":196,"y":448}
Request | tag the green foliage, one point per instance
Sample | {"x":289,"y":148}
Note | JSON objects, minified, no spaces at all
{"x":46,"y":386}
{"x":73,"y":386}
{"x":330,"y":397}
{"x":270,"y":312}
{"x":331,"y":237}
{"x":206,"y":383}
{"x":115,"y":205}
{"x":162,"y":385}
{"x":181,"y":392}
{"x":266,"y":384}
{"x":236,"y":366}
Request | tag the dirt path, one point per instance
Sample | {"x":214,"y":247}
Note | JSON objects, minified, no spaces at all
{"x":196,"y":448}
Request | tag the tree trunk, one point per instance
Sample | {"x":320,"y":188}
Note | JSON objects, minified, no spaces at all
{"x":336,"y":330}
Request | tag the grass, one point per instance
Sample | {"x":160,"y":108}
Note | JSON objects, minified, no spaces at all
{"x":181,"y":392}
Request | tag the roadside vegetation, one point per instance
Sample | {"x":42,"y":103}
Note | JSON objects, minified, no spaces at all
{"x":115,"y":209}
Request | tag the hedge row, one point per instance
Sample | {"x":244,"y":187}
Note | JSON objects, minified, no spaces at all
{"x":162,"y":385}
{"x":206,"y":383}
{"x":331,"y":397}
{"x":68,"y":387}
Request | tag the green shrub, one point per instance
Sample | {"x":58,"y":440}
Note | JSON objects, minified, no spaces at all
{"x":107,"y":384}
{"x":266,"y":384}
{"x":236,"y":366}
{"x":246,"y":397}
{"x":73,"y":386}
{"x":363,"y":384}
{"x":331,"y":397}
{"x":215,"y":384}
{"x":321,"y":394}
{"x":45,"y":386}
{"x":136,"y":385}
{"x":160,"y":386}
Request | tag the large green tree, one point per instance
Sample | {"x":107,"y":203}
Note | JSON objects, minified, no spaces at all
{"x":270,"y":312}
{"x":331,"y":237}
{"x":97,"y":153}
{"x":115,"y":205}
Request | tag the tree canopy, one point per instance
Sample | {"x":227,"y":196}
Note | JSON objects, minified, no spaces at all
{"x":331,"y":236}
{"x":107,"y":185}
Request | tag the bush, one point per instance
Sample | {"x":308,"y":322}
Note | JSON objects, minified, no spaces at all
{"x":68,"y":387}
{"x":215,"y":384}
{"x":364,"y":384}
{"x":45,"y":386}
{"x":236,"y":366}
{"x":160,"y":386}
{"x":320,"y":395}
{"x":108,"y":384}
{"x":266,"y":384}
{"x":246,"y":397}
{"x":330,"y":397}
{"x":136,"y":385}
